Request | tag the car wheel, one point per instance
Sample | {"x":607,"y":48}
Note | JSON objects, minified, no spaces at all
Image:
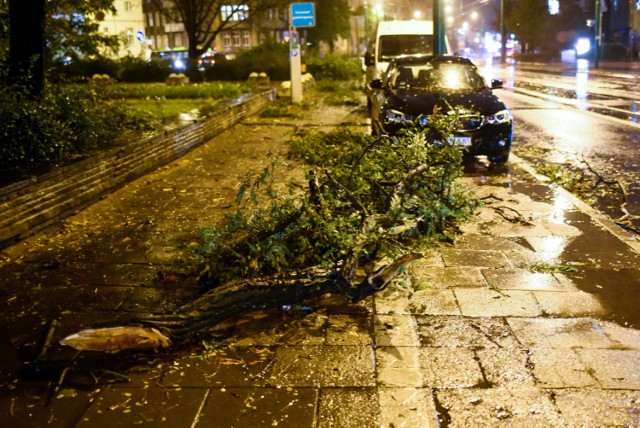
{"x":499,"y":160}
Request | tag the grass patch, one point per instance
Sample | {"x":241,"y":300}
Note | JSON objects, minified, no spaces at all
{"x":551,"y":268}
{"x":160,"y":110}
{"x":338,"y":93}
{"x":210,"y":90}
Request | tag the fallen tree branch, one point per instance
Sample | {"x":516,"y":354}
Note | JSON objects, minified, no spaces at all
{"x":193,"y":319}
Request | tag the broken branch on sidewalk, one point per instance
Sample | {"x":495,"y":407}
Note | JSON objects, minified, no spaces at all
{"x":290,"y":243}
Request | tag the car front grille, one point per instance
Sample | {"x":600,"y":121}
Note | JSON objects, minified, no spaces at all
{"x":470,"y":122}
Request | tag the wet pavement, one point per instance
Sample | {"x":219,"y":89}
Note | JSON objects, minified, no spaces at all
{"x":529,"y":319}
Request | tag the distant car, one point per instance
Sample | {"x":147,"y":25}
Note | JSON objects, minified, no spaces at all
{"x":413,"y":87}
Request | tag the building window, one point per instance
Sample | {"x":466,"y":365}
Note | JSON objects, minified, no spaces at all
{"x":238,"y":12}
{"x":226,"y":39}
{"x":246,"y":38}
{"x":150,"y":19}
{"x":236,"y":38}
{"x":127,"y":6}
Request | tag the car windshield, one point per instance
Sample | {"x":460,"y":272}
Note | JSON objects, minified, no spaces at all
{"x":395,"y":45}
{"x":438,"y":76}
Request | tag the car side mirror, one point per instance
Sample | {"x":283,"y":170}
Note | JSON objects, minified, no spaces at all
{"x":376,"y":84}
{"x":496,"y":84}
{"x":368,"y":59}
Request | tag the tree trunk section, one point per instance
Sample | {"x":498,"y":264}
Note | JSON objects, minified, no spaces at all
{"x":26,"y":47}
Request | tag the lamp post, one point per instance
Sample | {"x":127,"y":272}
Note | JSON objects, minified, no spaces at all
{"x":439,"y":28}
{"x":597,"y":35}
{"x":503,"y":35}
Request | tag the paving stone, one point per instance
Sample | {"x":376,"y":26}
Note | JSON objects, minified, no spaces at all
{"x":465,"y":332}
{"x":450,"y":368}
{"x":399,"y":366}
{"x":473,"y":258}
{"x":349,"y":329}
{"x":431,"y":259}
{"x":323,"y":366}
{"x":622,"y":337}
{"x":229,"y":367}
{"x":433,"y":302}
{"x":570,"y":304}
{"x":407,"y":408}
{"x":348,"y":408}
{"x":393,"y":301}
{"x":395,"y":330}
{"x":447,"y":277}
{"x":523,"y":279}
{"x":144,"y":407}
{"x":560,"y":368}
{"x":559,"y":333}
{"x":496,"y":407}
{"x":494,"y":303}
{"x":509,"y":245}
{"x":258,"y":407}
{"x":549,"y":248}
{"x":510,"y":230}
{"x":599,"y":408}
{"x":613,"y":368}
{"x":262,"y":328}
{"x":28,"y":406}
{"x":505,"y":367}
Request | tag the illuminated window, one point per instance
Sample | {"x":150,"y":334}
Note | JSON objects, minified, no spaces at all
{"x":246,"y":40}
{"x":236,"y":38}
{"x":226,"y":39}
{"x":554,"y":7}
{"x":238,"y":12}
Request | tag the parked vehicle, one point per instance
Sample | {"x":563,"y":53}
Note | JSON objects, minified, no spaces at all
{"x":394,"y":39}
{"x":413,"y":87}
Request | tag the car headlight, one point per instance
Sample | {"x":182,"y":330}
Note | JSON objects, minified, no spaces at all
{"x":503,"y":116}
{"x":398,"y":117}
{"x":395,"y":116}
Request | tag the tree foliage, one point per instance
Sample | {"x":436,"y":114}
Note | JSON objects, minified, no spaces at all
{"x":72,"y":29}
{"x":529,"y":21}
{"x":332,"y":21}
{"x":366,"y":198}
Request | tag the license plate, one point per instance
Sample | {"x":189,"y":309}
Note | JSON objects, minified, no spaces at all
{"x":462,"y":141}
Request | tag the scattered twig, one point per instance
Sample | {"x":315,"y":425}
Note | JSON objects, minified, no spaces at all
{"x":517,"y":218}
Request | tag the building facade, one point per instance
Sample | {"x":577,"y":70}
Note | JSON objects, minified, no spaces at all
{"x":128,"y":24}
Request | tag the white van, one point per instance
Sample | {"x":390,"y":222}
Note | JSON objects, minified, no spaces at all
{"x":394,"y":39}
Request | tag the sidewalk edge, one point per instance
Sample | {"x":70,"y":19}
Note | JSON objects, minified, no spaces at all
{"x":599,"y":217}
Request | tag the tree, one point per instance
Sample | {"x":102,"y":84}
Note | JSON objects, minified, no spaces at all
{"x":73,"y":29}
{"x":35,"y":33}
{"x":203,"y":20}
{"x":568,"y":24}
{"x":529,"y":21}
{"x":332,"y":20}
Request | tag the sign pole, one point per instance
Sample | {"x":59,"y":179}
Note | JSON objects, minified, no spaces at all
{"x":296,"y":66}
{"x":302,"y":15}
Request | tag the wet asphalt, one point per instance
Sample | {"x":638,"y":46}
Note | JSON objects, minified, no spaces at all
{"x":529,"y":319}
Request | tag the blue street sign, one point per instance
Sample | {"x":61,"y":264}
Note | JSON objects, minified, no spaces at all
{"x":139,"y":36}
{"x":303,"y":15}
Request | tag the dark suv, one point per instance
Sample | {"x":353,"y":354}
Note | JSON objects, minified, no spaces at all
{"x":414,"y":87}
